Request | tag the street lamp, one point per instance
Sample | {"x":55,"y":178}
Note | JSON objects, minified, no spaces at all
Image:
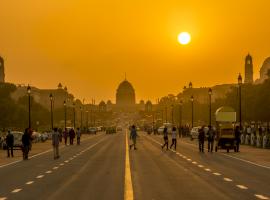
{"x":29,"y":106}
{"x":87,"y":121}
{"x":74,"y":116}
{"x":166,"y":116}
{"x":180,"y":113}
{"x":210,"y":92}
{"x":192,"y":108}
{"x":51,"y":99}
{"x":172,"y":114}
{"x":81,"y":117}
{"x":65,"y":110}
{"x":240,"y":101}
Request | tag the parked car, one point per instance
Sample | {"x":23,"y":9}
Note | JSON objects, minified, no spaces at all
{"x":17,"y":140}
{"x":93,"y":130}
{"x":194,"y":133}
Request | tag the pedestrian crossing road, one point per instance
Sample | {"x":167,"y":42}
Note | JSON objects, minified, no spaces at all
{"x":103,"y":167}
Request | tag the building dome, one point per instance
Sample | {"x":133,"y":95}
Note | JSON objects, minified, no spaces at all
{"x":264,"y":69}
{"x":125,"y":94}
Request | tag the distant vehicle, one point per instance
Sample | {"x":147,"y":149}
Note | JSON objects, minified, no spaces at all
{"x":111,"y":130}
{"x":17,"y":140}
{"x":161,"y":129}
{"x":119,"y":128}
{"x":194,"y":133}
{"x":225,"y":138}
{"x":44,"y":137}
{"x":99,"y":128}
{"x":93,"y":130}
{"x":36,"y":136}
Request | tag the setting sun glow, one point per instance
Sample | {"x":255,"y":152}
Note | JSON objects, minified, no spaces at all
{"x":184,"y":38}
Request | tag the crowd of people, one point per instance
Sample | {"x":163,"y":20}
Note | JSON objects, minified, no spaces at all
{"x":27,"y":139}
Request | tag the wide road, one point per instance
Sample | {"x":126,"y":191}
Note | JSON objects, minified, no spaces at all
{"x":103,"y":167}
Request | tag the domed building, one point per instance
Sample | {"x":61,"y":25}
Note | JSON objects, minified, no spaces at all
{"x":264,"y":71}
{"x":125,"y":95}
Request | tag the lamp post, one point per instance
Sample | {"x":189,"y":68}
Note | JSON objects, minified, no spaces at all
{"x":65,"y":113}
{"x":192,"y":108}
{"x":172,"y":107}
{"x":29,"y":106}
{"x":240,"y":100}
{"x":180,"y":113}
{"x":166,"y":116}
{"x":87,"y":121}
{"x":210,"y":92}
{"x":74,"y":116}
{"x":81,"y":117}
{"x":51,"y":99}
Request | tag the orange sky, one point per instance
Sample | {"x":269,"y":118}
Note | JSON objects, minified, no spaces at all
{"x":88,"y":45}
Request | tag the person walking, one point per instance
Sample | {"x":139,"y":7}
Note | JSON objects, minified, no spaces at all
{"x":55,"y":143}
{"x":71,"y":136}
{"x":133,"y":137}
{"x":165,"y":137}
{"x":210,"y":138}
{"x":78,"y":136}
{"x":26,"y":143}
{"x":237,"y":135}
{"x":10,"y":143}
{"x":201,"y":139}
{"x":65,"y":135}
{"x":174,"y":135}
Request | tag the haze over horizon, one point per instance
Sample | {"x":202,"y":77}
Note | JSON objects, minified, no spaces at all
{"x":88,"y":46}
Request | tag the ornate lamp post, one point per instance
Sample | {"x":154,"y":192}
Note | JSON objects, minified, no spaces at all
{"x":210,"y":92}
{"x":172,"y":107}
{"x":166,"y":116}
{"x":51,"y":99}
{"x":29,"y":105}
{"x":192,"y":109}
{"x":87,"y":121}
{"x":180,"y":113}
{"x":81,"y":117}
{"x":240,"y":100}
{"x":65,"y":111}
{"x":74,"y":116}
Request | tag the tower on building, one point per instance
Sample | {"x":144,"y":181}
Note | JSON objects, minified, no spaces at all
{"x":2,"y":70}
{"x":248,"y":69}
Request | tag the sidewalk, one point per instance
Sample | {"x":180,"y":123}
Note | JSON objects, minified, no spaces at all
{"x":247,"y":153}
{"x":37,"y":148}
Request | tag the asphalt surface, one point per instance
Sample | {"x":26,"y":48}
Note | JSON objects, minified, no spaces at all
{"x":97,"y":169}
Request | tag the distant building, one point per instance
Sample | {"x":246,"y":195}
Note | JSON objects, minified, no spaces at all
{"x":2,"y":70}
{"x":125,"y":96}
{"x":248,"y":69}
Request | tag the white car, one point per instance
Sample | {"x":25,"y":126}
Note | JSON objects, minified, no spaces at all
{"x":194,"y":133}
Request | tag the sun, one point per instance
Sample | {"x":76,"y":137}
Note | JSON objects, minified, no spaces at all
{"x":184,"y":38}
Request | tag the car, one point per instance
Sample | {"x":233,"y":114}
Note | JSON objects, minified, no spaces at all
{"x":17,"y":140}
{"x":194,"y":133}
{"x":119,"y":128}
{"x":93,"y":130}
{"x":161,"y":129}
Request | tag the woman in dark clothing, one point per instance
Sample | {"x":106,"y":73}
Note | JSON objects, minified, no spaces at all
{"x":26,"y":142}
{"x":165,"y":137}
{"x":237,"y":137}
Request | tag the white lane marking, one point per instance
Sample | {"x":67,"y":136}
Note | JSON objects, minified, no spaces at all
{"x":3,"y":198}
{"x":200,"y":166}
{"x":66,"y":161}
{"x":242,"y":187}
{"x":189,"y":160}
{"x":259,"y":196}
{"x":40,"y":176}
{"x":55,"y":168}
{"x":29,"y":182}
{"x":194,"y":162}
{"x":217,"y":174}
{"x":227,"y":179}
{"x":243,"y":160}
{"x":16,"y":190}
{"x":208,"y":170}
{"x":61,"y":164}
{"x":177,"y":153}
{"x":184,"y":157}
{"x":128,"y":194}
{"x":48,"y":172}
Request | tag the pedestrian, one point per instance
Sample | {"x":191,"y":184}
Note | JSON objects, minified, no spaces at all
{"x":201,"y":139}
{"x":60,"y":131}
{"x":210,"y":137}
{"x":71,"y":136}
{"x":165,"y":137}
{"x":10,"y":143}
{"x":133,"y":137}
{"x":78,"y":136}
{"x":26,"y":143}
{"x":65,"y":135}
{"x":174,"y":134}
{"x":55,"y":143}
{"x":237,"y":135}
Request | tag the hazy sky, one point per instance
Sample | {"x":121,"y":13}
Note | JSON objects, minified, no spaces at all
{"x":88,"y":45}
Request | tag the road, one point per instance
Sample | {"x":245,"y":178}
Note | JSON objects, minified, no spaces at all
{"x":103,"y":167}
